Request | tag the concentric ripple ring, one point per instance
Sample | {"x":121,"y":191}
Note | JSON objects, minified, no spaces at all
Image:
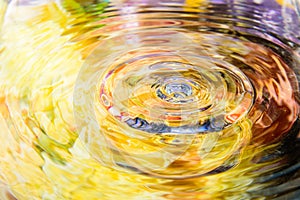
{"x":153,"y":89}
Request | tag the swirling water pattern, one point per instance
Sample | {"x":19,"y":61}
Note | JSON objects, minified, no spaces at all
{"x":149,"y":100}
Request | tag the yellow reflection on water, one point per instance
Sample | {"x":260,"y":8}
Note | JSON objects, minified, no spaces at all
{"x":41,"y":154}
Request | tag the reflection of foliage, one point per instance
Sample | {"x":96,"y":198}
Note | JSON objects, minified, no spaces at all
{"x":90,"y":8}
{"x":81,"y":15}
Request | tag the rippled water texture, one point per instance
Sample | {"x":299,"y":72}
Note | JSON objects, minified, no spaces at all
{"x":162,"y":100}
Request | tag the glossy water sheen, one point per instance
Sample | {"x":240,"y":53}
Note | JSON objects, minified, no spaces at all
{"x":167,"y":100}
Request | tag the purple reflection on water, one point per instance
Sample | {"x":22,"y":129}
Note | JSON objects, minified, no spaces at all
{"x":263,"y":15}
{"x":266,"y":16}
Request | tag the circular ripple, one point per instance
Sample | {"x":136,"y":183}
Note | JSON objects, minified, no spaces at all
{"x":216,"y":43}
{"x":175,"y":96}
{"x":158,"y":104}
